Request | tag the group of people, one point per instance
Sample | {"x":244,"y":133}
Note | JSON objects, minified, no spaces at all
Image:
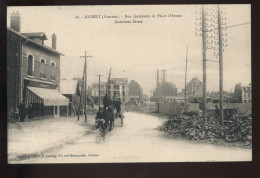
{"x":23,"y":112}
{"x":106,"y":116}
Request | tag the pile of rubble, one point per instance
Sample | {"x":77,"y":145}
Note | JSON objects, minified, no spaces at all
{"x":191,"y":126}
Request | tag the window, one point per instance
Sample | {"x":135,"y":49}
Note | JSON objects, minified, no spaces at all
{"x":123,"y":87}
{"x":30,"y":65}
{"x":123,"y":93}
{"x":53,"y":65}
{"x":43,"y":68}
{"x":114,"y":93}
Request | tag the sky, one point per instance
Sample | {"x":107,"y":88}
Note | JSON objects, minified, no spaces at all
{"x":137,"y":50}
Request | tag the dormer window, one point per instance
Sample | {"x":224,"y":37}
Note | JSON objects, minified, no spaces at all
{"x":38,"y":37}
{"x":43,"y":69}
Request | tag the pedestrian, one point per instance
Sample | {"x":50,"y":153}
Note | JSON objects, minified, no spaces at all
{"x":30,"y":111}
{"x":22,"y":111}
{"x":16,"y":115}
{"x":99,"y":118}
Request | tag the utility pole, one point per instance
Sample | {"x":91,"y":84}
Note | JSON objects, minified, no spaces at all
{"x":81,"y":92}
{"x":185,"y":92}
{"x":204,"y":46}
{"x":85,"y":83}
{"x":99,"y":90}
{"x":164,"y":84}
{"x":220,"y":67}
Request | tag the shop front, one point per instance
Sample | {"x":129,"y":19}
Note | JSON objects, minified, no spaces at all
{"x":43,"y":99}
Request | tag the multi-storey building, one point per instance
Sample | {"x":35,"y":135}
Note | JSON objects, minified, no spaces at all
{"x":246,"y":94}
{"x":33,"y":71}
{"x":117,"y":88}
{"x":195,"y":87}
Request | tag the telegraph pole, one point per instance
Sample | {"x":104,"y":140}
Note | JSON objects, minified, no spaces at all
{"x":204,"y":46}
{"x":81,"y":92}
{"x":186,"y":75}
{"x":99,"y":90}
{"x":85,"y":83}
{"x":220,"y":67}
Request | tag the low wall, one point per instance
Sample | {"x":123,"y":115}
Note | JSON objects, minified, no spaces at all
{"x":243,"y":107}
{"x":177,"y":108}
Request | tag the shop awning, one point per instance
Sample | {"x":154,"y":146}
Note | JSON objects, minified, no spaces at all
{"x":49,"y":97}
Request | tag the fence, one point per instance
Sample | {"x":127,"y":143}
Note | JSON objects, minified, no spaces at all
{"x":177,"y":108}
{"x":243,"y":107}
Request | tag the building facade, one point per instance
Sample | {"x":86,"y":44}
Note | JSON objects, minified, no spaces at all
{"x":247,"y":94}
{"x":95,"y":92}
{"x":164,"y":90}
{"x":194,"y":87}
{"x":33,"y":71}
{"x":117,"y":88}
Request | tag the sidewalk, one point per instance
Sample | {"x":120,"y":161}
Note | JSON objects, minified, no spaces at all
{"x":45,"y":134}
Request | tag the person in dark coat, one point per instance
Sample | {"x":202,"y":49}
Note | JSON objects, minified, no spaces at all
{"x":22,"y":111}
{"x":106,"y":101}
{"x":110,"y":117}
{"x":30,"y":111}
{"x":100,"y":115}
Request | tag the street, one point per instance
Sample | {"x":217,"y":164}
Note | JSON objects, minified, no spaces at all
{"x":138,"y":141}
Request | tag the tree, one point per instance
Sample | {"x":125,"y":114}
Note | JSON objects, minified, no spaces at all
{"x":237,"y":97}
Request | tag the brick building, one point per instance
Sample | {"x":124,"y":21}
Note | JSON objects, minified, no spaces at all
{"x":194,"y":87}
{"x":33,"y":71}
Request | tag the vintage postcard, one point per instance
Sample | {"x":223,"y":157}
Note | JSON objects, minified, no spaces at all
{"x":129,"y":83}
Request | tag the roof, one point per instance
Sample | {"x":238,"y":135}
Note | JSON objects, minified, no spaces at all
{"x":33,"y":42}
{"x":51,"y":97}
{"x":36,"y":34}
{"x":68,"y":86}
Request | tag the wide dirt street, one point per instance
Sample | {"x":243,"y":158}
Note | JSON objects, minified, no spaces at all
{"x":139,"y":141}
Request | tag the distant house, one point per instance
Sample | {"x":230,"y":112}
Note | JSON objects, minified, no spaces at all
{"x":246,"y":94}
{"x":95,"y":92}
{"x":33,"y":71}
{"x":215,"y":97}
{"x":194,"y":87}
{"x":68,"y":88}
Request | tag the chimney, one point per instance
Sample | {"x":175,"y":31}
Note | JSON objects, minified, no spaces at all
{"x":15,"y":21}
{"x":54,"y":39}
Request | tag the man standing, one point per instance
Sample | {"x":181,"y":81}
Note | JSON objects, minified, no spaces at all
{"x":22,"y":111}
{"x":106,"y":101}
{"x":30,"y":111}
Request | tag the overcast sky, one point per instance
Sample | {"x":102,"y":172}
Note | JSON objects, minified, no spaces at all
{"x":136,"y":51}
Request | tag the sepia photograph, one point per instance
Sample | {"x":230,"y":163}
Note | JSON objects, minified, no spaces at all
{"x":129,"y":83}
